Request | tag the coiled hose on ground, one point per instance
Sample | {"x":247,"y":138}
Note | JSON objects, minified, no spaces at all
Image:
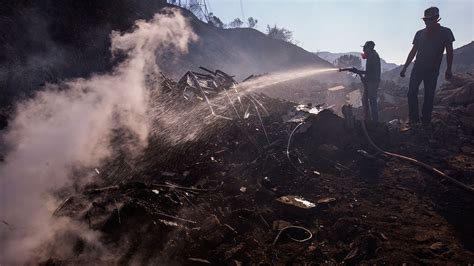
{"x":416,"y":162}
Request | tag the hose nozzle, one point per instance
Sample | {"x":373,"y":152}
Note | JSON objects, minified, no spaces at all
{"x":349,"y":69}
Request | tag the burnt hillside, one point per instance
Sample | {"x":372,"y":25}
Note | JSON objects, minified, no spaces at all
{"x":50,"y":40}
{"x":242,"y":51}
{"x":47,"y":40}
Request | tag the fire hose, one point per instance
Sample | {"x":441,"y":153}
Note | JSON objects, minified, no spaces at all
{"x":416,"y":162}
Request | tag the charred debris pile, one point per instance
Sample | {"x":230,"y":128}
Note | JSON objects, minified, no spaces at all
{"x":276,"y":182}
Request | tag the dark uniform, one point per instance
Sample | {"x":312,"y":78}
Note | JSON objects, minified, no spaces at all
{"x":371,"y":83}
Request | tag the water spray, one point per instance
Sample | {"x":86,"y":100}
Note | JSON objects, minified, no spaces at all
{"x":280,"y":77}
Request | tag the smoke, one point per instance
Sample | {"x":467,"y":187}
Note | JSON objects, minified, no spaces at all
{"x":64,"y":128}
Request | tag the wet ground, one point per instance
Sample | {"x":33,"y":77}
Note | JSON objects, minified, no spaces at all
{"x":216,"y":201}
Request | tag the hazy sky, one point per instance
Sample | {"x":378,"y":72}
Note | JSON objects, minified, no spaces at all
{"x":344,"y":25}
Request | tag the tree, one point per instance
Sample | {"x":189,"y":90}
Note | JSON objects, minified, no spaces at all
{"x":280,"y":33}
{"x":213,"y":20}
{"x":348,"y":61}
{"x":251,"y":22}
{"x":236,"y":23}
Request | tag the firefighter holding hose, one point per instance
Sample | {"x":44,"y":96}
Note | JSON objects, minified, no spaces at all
{"x":370,"y":79}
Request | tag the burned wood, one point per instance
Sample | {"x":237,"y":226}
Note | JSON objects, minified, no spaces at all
{"x":208,"y":70}
{"x":248,"y":78}
{"x":248,"y":181}
{"x":180,"y":187}
{"x":203,"y":76}
{"x":231,"y":228}
{"x":167,"y":84}
{"x":198,"y":260}
{"x":61,"y":206}
{"x":218,"y":72}
{"x":175,"y":217}
{"x":186,"y":198}
{"x":99,"y":190}
{"x":263,"y":220}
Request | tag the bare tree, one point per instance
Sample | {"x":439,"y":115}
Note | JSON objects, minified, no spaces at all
{"x":236,"y":23}
{"x":214,"y":20}
{"x":280,"y":33}
{"x":251,"y":22}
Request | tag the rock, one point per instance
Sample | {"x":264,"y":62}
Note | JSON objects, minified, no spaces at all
{"x":457,"y":81}
{"x":460,"y":96}
{"x":296,"y":201}
{"x":210,"y":223}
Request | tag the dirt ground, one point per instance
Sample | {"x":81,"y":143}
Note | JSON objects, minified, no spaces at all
{"x":215,"y":202}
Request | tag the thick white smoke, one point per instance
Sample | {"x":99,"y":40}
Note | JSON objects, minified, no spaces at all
{"x":61,"y":129}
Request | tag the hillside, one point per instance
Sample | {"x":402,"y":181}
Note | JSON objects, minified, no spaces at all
{"x":242,"y":51}
{"x":331,"y":57}
{"x":51,"y":40}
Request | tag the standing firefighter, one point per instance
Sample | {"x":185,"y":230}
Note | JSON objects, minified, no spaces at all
{"x":371,"y":81}
{"x":428,"y":46}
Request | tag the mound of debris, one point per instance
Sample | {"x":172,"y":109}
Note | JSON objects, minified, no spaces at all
{"x":273,"y":183}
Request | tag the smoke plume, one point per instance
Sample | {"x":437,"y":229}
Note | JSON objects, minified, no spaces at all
{"x":70,"y":125}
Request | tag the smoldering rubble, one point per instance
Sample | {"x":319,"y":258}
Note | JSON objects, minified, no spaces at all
{"x":277,"y":182}
{"x":198,"y":170}
{"x":68,"y":127}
